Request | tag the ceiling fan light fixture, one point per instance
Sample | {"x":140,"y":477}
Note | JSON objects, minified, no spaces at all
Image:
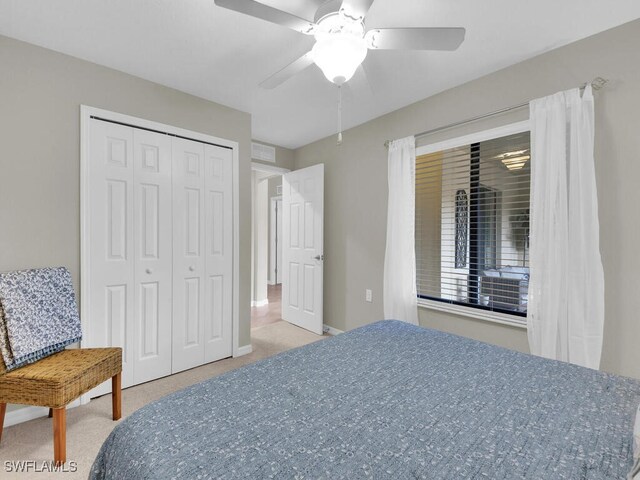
{"x":515,"y":163}
{"x":339,"y":55}
{"x":341,"y":38}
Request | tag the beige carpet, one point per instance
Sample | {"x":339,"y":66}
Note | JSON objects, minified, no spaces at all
{"x":89,"y":425}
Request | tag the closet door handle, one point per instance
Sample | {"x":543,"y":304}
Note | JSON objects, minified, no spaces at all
{"x":192,"y":268}
{"x":149,"y":271}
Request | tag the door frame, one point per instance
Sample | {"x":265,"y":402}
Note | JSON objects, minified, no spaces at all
{"x":273,"y":235}
{"x":86,"y":114}
{"x":271,"y":171}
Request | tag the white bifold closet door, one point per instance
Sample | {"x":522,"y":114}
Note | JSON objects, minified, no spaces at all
{"x":161,"y":252}
{"x":152,"y":232}
{"x":131,"y":245}
{"x":202,"y":246}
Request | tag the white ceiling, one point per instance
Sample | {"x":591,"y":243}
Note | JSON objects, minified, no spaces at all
{"x":220,"y":55}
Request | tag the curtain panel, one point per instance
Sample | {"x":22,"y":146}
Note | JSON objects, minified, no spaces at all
{"x":399,"y":289}
{"x":565,"y":315}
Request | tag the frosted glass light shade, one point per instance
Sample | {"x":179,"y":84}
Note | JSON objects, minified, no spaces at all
{"x":338,"y":55}
{"x":515,"y":163}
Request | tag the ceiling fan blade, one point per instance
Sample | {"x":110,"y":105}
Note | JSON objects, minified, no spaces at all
{"x":355,"y":9}
{"x":289,"y":71}
{"x":415,"y":38}
{"x":270,"y":14}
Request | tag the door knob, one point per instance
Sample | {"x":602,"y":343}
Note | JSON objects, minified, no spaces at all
{"x":319,"y":257}
{"x":192,"y":269}
{"x":149,"y":271}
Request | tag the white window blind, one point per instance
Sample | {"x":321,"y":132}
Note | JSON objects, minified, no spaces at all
{"x":472,"y":224}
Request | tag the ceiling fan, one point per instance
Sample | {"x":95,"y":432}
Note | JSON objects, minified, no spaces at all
{"x":341,"y":39}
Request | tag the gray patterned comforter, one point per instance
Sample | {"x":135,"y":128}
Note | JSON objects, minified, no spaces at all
{"x":388,"y":400}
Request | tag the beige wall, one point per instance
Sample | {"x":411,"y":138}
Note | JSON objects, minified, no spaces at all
{"x":356,"y":186}
{"x":40,"y":96}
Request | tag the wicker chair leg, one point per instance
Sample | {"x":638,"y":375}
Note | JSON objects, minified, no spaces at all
{"x":3,"y":409}
{"x":116,"y":396}
{"x":51,"y":413}
{"x":60,"y":435}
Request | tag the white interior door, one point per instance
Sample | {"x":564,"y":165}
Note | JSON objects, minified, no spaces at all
{"x":302,"y":247}
{"x":202,"y":253}
{"x":278,"y":241}
{"x":131,"y":249}
{"x":111,"y":183}
{"x":188,"y":254}
{"x":160,"y":250}
{"x":218,"y":284}
{"x":152,"y":232}
{"x":275,"y":241}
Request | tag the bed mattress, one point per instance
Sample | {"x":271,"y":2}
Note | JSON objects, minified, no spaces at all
{"x":388,"y":400}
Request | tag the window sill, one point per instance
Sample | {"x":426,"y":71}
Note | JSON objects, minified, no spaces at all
{"x":476,"y":314}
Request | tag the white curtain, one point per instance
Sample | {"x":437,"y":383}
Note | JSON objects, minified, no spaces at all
{"x":399,"y":297}
{"x":565,"y":314}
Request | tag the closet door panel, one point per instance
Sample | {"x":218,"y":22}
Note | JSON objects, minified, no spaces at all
{"x":218,"y":252}
{"x":188,"y":254}
{"x":111,"y":254}
{"x":153,"y":252}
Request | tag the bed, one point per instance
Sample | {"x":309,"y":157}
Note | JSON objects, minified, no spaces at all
{"x":388,"y":400}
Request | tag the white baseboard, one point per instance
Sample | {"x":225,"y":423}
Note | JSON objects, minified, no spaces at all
{"x":330,"y":330}
{"x":25,"y":414}
{"x":260,"y":303}
{"x":244,"y":350}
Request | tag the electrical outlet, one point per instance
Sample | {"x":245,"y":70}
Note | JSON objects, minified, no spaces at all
{"x":368,"y":295}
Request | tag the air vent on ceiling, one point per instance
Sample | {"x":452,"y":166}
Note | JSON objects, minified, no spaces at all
{"x":263,"y":153}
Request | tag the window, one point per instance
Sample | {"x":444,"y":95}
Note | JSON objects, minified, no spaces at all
{"x":472,"y":222}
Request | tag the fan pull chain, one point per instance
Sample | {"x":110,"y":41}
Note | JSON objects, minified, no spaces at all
{"x":339,"y":115}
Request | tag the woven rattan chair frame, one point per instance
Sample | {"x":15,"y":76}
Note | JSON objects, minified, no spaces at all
{"x":59,"y":379}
